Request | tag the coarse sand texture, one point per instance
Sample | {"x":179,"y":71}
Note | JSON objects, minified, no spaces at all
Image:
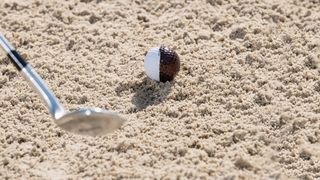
{"x":244,"y":105}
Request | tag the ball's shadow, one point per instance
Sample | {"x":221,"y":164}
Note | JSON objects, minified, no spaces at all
{"x":146,"y":92}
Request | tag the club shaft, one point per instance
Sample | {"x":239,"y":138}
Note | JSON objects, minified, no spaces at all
{"x":33,"y":78}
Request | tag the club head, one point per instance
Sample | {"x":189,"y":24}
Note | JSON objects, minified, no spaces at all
{"x":91,"y":122}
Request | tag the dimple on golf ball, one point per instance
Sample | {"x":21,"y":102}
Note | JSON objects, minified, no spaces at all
{"x":161,"y":64}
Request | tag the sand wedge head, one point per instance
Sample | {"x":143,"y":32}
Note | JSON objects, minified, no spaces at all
{"x":91,"y":122}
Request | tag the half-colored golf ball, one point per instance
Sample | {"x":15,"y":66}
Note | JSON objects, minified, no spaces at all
{"x":161,"y":64}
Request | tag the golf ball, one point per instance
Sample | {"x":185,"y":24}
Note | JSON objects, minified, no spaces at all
{"x":161,"y":64}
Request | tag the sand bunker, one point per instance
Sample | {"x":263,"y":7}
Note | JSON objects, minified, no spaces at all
{"x":245,"y":105}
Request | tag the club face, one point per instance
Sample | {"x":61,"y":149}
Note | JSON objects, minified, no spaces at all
{"x":91,"y":122}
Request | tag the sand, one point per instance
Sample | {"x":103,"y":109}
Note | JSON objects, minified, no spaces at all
{"x":245,"y":105}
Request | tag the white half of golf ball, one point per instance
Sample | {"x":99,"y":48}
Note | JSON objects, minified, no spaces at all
{"x":152,"y":64}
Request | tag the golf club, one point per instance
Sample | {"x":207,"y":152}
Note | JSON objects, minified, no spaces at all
{"x":92,"y":122}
